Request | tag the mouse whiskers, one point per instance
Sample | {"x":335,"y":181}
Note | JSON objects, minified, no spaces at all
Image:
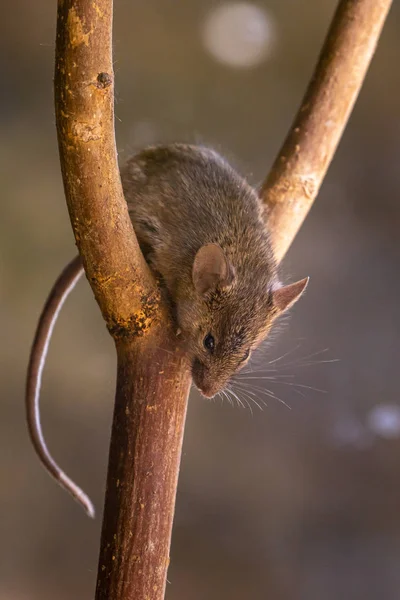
{"x":244,"y":395}
{"x":278,"y":380}
{"x":258,"y":391}
{"x":223,"y":394}
{"x":235,"y":398}
{"x":279,"y":364}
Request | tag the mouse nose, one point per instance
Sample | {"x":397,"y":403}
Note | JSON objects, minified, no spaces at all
{"x":201,"y":379}
{"x":208,"y":391}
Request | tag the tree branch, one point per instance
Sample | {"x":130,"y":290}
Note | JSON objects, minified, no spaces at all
{"x":145,"y":451}
{"x":84,"y":102}
{"x":304,"y":158}
{"x":153,"y":378}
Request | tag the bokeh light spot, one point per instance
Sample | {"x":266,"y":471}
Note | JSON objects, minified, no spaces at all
{"x":384,"y":420}
{"x":239,"y":34}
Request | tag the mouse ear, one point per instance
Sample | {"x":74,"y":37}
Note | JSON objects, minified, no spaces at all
{"x":211,"y":268}
{"x":284,"y":297}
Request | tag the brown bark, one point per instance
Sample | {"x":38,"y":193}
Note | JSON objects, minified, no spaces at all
{"x":150,"y":410}
{"x":301,"y":164}
{"x":153,"y":378}
{"x":84,"y":103}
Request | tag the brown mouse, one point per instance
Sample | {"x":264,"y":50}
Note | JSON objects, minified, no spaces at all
{"x":200,"y":227}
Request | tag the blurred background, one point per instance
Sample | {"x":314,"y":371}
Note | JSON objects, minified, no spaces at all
{"x":298,"y":503}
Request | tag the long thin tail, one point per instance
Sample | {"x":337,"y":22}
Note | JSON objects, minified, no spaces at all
{"x":59,"y":293}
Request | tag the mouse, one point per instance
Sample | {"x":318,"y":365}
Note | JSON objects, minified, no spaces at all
{"x":202,"y":231}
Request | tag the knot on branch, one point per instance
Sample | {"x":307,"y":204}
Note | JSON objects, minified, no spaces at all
{"x":104,"y":80}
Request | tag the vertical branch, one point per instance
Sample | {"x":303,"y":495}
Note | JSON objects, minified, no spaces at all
{"x":153,"y":379}
{"x":304,"y":158}
{"x":150,"y":409}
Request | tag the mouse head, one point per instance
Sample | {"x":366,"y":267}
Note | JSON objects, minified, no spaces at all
{"x":229,"y":313}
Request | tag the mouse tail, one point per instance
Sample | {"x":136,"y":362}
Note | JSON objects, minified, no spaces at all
{"x":59,"y":293}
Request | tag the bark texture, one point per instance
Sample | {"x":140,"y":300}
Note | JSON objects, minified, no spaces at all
{"x":145,"y":451}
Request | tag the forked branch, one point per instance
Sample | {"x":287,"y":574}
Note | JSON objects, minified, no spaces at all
{"x":153,"y":378}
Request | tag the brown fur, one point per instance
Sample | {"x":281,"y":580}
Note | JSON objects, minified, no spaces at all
{"x":180,"y":198}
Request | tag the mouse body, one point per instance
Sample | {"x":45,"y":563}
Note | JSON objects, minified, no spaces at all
{"x":200,"y":227}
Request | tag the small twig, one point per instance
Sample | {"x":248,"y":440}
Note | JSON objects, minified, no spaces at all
{"x":304,"y":158}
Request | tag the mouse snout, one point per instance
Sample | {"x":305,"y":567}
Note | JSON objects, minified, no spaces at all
{"x":203,"y":380}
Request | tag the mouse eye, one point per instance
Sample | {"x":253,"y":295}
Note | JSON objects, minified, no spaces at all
{"x":245,"y":356}
{"x":209,"y":343}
